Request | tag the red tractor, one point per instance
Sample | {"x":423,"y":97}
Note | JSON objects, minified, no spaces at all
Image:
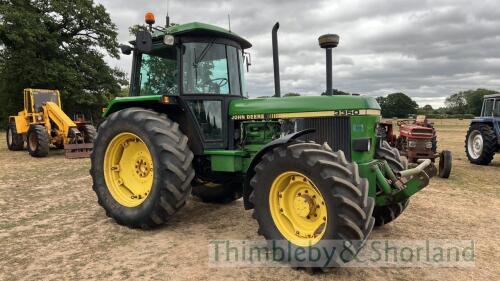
{"x":417,"y":140}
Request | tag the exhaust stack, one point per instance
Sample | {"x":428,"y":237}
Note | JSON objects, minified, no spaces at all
{"x":276,"y":61}
{"x":328,"y":42}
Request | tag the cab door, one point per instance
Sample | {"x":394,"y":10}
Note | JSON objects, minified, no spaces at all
{"x":211,"y":79}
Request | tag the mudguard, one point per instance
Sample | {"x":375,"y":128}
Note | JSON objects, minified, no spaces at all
{"x":247,"y":188}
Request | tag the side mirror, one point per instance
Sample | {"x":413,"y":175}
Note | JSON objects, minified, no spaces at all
{"x":144,"y":41}
{"x":126,"y":49}
{"x":248,"y":60}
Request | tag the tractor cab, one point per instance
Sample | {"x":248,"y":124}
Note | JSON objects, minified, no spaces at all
{"x":196,"y":64}
{"x":491,"y":106}
{"x":35,"y":99}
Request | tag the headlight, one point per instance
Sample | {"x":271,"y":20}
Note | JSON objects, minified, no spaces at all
{"x":412,"y":143}
{"x":169,"y":40}
{"x":428,"y":145}
{"x":39,"y":118}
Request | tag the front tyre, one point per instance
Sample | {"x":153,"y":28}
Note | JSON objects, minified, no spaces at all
{"x":38,"y":141}
{"x":141,"y":168}
{"x":445,"y":164}
{"x":386,"y":214}
{"x":308,"y":195}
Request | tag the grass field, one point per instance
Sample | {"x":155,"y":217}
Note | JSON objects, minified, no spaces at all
{"x":52,"y":228}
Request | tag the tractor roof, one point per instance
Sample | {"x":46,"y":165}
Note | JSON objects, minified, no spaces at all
{"x":497,"y":95}
{"x":203,"y":29}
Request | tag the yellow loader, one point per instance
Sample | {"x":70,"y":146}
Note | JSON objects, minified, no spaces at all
{"x":43,"y":123}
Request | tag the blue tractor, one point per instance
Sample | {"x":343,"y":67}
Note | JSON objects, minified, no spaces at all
{"x":483,"y":137}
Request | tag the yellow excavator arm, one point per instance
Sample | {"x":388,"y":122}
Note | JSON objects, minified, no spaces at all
{"x":57,"y":115}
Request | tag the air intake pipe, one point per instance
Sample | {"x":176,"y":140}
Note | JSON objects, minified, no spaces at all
{"x":328,"y":42}
{"x":276,"y":61}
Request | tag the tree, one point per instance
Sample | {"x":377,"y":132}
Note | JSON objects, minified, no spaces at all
{"x":426,"y":110}
{"x":397,"y":105}
{"x":467,"y":102}
{"x":335,"y":92}
{"x":456,"y":103}
{"x":474,"y":100}
{"x":291,"y":95}
{"x":58,"y":44}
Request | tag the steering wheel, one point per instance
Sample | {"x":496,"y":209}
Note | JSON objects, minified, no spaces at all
{"x":221,"y":82}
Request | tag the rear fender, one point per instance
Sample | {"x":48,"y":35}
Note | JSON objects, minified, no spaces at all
{"x":176,"y":110}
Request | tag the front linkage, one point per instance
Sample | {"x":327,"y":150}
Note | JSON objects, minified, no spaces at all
{"x":400,"y":186}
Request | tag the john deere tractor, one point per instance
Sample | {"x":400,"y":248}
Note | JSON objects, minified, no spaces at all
{"x":42,"y":122}
{"x":312,"y":168}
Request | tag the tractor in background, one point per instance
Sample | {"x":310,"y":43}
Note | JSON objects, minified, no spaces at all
{"x":312,"y":169}
{"x":43,"y":123}
{"x":417,"y":140}
{"x":483,"y":137}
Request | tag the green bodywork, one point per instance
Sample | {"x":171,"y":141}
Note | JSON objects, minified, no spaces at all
{"x":301,"y":104}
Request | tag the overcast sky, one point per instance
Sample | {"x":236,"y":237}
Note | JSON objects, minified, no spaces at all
{"x":426,"y":49}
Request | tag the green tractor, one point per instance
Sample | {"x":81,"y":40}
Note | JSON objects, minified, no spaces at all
{"x":312,"y":168}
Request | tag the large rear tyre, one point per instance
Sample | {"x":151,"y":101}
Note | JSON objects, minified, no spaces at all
{"x":219,"y":193}
{"x":480,"y":144}
{"x":308,"y":195}
{"x":445,"y":164}
{"x":141,"y":168}
{"x":15,"y":141}
{"x":88,"y":132}
{"x":38,"y":141}
{"x":386,"y":214}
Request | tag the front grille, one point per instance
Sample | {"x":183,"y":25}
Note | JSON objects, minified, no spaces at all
{"x":336,"y":131}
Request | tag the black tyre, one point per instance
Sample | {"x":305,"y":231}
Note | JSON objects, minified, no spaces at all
{"x":386,"y":214}
{"x":220,"y":193}
{"x":141,"y":168}
{"x":480,"y":144}
{"x":391,"y":154}
{"x":15,"y":141}
{"x":445,"y":163}
{"x":38,"y":141}
{"x":344,"y":213}
{"x":88,"y":132}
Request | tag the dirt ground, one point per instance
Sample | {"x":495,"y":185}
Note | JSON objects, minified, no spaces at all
{"x":52,"y":228}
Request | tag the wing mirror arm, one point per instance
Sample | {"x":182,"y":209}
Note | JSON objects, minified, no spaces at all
{"x":248,"y":60}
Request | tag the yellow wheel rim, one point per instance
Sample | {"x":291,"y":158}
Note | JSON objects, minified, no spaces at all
{"x":128,"y":169}
{"x":298,"y":209}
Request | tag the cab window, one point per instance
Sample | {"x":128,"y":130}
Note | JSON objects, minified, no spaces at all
{"x":488,"y":107}
{"x":158,"y":73}
{"x":210,"y":68}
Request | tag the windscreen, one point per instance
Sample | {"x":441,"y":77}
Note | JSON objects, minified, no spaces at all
{"x":40,"y":98}
{"x":488,"y":107}
{"x":496,"y":110}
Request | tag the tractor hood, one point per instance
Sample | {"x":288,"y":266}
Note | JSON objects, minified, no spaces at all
{"x":301,"y":107}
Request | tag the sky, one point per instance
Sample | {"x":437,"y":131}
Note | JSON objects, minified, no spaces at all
{"x":425,"y":49}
